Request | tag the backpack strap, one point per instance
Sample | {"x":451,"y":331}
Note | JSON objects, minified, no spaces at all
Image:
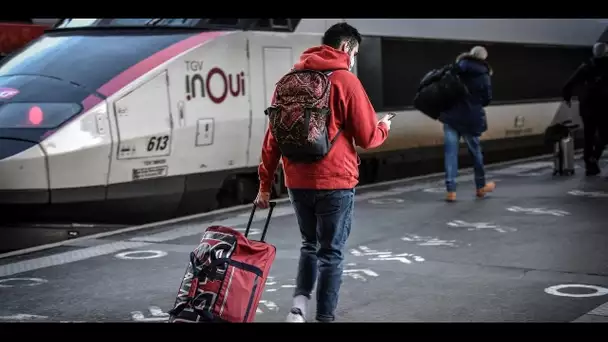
{"x":341,"y":128}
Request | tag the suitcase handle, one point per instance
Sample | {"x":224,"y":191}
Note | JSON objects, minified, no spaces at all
{"x":271,"y":208}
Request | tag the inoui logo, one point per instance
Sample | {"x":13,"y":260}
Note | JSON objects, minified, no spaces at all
{"x":199,"y":81}
{"x":7,"y":93}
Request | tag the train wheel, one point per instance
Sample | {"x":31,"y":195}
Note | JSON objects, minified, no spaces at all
{"x":246,"y":189}
{"x":368,"y":170}
{"x":226,"y":196}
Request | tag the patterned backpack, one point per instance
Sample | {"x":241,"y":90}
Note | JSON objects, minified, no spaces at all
{"x":300,"y":115}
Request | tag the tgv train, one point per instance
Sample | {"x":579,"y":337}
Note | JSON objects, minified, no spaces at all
{"x":131,"y":120}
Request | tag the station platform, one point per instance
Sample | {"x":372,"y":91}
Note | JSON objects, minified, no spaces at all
{"x":535,"y":250}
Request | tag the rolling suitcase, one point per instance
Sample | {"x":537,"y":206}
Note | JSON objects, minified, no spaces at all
{"x":225,"y":277}
{"x":563,"y":150}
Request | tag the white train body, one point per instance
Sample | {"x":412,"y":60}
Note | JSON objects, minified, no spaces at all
{"x":164,"y":135}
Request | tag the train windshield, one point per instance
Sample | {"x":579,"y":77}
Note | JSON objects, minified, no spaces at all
{"x":272,"y":24}
{"x":36,"y":115}
{"x":82,"y":23}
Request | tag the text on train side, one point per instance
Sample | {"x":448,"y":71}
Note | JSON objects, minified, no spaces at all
{"x":198,"y":82}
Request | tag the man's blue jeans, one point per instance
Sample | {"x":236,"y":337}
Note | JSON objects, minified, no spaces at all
{"x":324,"y":217}
{"x":451,"y":144}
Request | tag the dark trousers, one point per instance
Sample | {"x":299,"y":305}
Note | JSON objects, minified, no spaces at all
{"x":595,"y":138}
{"x":324,"y":217}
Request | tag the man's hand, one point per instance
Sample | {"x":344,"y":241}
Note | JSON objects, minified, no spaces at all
{"x":387,"y":120}
{"x":262,"y":201}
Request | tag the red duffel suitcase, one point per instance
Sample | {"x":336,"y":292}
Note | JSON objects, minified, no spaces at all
{"x":225,"y":277}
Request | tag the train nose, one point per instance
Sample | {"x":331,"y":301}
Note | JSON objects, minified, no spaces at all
{"x":23,"y":172}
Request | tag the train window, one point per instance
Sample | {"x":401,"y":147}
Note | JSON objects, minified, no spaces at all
{"x":279,"y":22}
{"x":36,"y":115}
{"x":224,"y":21}
{"x":276,"y":24}
{"x":524,"y":73}
{"x":72,"y":22}
{"x":521,"y":72}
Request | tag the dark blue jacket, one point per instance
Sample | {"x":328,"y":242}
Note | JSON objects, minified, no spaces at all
{"x":468,"y":116}
{"x":591,"y":94}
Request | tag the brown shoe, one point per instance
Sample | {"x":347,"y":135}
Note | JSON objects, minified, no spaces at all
{"x":489,"y":187}
{"x":451,"y":196}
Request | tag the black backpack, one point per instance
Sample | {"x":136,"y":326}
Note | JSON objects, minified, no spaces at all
{"x":440,"y":90}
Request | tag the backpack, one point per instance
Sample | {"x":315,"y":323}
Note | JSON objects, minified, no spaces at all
{"x":299,"y":117}
{"x":440,"y":90}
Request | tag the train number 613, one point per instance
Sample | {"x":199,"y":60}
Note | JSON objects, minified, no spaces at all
{"x":158,"y":143}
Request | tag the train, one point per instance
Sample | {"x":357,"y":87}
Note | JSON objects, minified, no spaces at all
{"x":138,"y":120}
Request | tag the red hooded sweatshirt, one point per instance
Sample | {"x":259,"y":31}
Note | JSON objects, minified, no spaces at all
{"x":351,"y":109}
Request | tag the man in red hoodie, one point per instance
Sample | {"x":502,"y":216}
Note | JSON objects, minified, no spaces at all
{"x":322,"y":192}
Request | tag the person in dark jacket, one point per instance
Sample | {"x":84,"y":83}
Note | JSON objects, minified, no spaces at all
{"x":591,"y":79}
{"x":467,"y":119}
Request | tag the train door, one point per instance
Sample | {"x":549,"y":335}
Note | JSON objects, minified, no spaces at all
{"x":144,"y":132}
{"x":271,"y":57}
{"x":276,"y":62}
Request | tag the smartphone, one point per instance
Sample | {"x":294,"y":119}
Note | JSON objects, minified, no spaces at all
{"x":391,"y":116}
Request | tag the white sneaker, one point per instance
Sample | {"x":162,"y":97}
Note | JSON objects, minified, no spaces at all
{"x":295,"y":316}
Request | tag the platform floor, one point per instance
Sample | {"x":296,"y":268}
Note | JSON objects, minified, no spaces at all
{"x":536,"y":250}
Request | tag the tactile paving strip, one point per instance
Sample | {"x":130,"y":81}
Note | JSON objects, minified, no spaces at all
{"x":601,"y":310}
{"x":66,"y":257}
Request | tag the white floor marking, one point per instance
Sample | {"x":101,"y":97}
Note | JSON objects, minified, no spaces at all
{"x":556,"y":290}
{"x":385,"y":201}
{"x":273,"y":283}
{"x":592,"y":194}
{"x":405,"y":258}
{"x":136,"y":255}
{"x":539,"y":211}
{"x":385,"y":255}
{"x":21,"y":317}
{"x":355,"y":276}
{"x":21,"y":282}
{"x":157,"y":312}
{"x":394,"y":191}
{"x":157,"y":315}
{"x":366,"y":251}
{"x":435,"y":190}
{"x":480,"y":225}
{"x":365,"y":271}
{"x":428,"y":241}
{"x":272,"y":306}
